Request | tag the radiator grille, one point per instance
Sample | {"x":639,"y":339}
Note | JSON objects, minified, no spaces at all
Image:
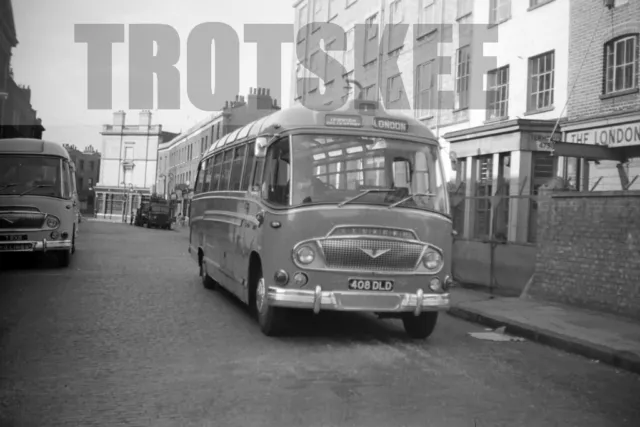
{"x":356,"y":254}
{"x":21,"y":220}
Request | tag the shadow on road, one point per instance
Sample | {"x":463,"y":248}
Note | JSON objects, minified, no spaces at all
{"x":28,"y":261}
{"x":304,"y":326}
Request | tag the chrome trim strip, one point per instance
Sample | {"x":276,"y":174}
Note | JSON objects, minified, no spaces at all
{"x":406,"y":230}
{"x":333,"y":301}
{"x":287,"y":211}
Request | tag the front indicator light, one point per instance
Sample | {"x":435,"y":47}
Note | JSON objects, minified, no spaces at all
{"x":305,"y":255}
{"x":281,"y":277}
{"x":54,"y":235}
{"x":435,"y":285}
{"x":53,"y":222}
{"x":300,"y":279}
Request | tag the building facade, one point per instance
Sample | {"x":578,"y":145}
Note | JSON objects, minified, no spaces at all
{"x":18,"y":119}
{"x":178,"y":158}
{"x":128,"y":164}
{"x":87,"y":164}
{"x":605,"y":107}
{"x":492,"y":106}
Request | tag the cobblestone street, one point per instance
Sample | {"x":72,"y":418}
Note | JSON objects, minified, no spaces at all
{"x":128,"y":336}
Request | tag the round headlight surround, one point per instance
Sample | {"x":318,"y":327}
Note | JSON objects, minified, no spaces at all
{"x":432,"y":259}
{"x":52,"y":222}
{"x":305,"y":254}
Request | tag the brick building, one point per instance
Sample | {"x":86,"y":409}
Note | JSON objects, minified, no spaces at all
{"x":605,"y":106}
{"x":128,"y":164}
{"x":87,"y":174}
{"x":179,"y":157}
{"x":18,"y":119}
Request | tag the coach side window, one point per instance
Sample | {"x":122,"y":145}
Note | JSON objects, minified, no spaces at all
{"x":236,"y":170}
{"x":226,"y":170}
{"x":215,"y":177}
{"x":276,"y":188}
{"x":248,"y":166}
{"x":202,"y":168}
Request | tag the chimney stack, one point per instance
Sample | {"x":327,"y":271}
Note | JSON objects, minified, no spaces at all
{"x":145,"y":118}
{"x":119,"y":118}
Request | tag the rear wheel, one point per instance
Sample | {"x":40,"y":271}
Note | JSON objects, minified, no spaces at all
{"x":64,"y":258}
{"x":271,"y":319}
{"x":207,"y":281}
{"x":422,"y":326}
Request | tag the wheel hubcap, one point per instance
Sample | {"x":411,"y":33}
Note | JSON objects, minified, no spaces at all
{"x":260,"y":293}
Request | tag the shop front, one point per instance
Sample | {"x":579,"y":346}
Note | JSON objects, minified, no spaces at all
{"x":499,"y":169}
{"x":621,"y":134}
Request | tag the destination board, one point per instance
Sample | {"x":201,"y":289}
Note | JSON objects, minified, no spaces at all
{"x":390,"y":124}
{"x":343,"y":121}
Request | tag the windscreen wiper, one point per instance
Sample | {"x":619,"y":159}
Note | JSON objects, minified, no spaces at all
{"x":365,"y":192}
{"x":35,"y":188}
{"x":7,"y":186}
{"x":411,"y":198}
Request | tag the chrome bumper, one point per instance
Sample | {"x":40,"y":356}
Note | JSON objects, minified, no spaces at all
{"x":357,"y":300}
{"x":36,"y":246}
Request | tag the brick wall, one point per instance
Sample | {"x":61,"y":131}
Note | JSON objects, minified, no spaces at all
{"x":585,"y":101}
{"x":589,"y":251}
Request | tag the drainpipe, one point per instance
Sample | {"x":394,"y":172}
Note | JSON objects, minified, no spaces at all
{"x":380,"y":50}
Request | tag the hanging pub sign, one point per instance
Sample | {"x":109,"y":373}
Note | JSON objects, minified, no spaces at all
{"x":390,"y":124}
{"x":338,"y":120}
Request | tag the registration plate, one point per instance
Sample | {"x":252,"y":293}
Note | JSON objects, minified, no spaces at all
{"x":16,"y":246}
{"x":13,"y":238}
{"x":371,"y":285}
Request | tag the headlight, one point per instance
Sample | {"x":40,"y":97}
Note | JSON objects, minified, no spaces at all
{"x":432,"y":259}
{"x":53,"y":222}
{"x":305,"y":255}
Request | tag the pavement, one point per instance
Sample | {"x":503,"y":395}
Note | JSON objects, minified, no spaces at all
{"x":127,"y":335}
{"x":606,"y":338}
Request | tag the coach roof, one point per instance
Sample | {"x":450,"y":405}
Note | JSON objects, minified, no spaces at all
{"x":301,"y":117}
{"x":33,"y":146}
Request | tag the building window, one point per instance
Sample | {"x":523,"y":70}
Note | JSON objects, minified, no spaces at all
{"x":426,"y":15}
{"x":349,"y":43}
{"x":621,"y":56}
{"x":498,"y":93}
{"x":302,"y":21}
{"x":463,"y":67}
{"x":90,"y":182}
{"x":371,"y":27}
{"x":333,"y":9}
{"x":317,"y":14}
{"x":457,"y":194}
{"x":80,"y":183}
{"x":314,"y":61}
{"x":327,"y":78}
{"x":501,"y":231}
{"x":348,"y":76}
{"x":424,"y":88}
{"x":81,"y":165}
{"x":370,"y":93}
{"x":484,"y":190}
{"x":541,"y":81}
{"x":128,"y":153}
{"x":92,"y":165}
{"x":465,"y":7}
{"x":499,"y":11}
{"x":395,"y":12}
{"x":394,"y":88}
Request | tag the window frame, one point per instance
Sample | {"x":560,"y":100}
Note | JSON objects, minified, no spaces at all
{"x":494,"y":89}
{"x":534,"y":64}
{"x":610,"y":48}
{"x":462,"y":95}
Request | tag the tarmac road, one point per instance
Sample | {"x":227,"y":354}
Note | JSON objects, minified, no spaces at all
{"x":128,"y":336}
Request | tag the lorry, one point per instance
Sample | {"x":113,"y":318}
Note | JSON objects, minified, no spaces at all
{"x":154,"y":214}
